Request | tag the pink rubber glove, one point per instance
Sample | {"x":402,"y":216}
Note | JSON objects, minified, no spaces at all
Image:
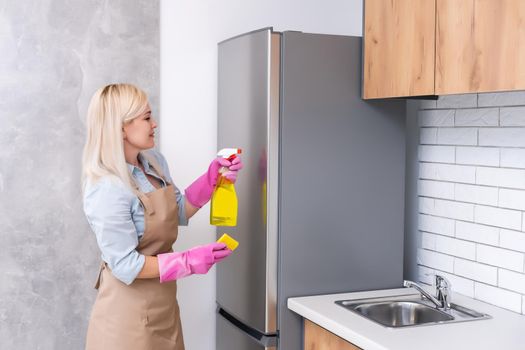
{"x":199,"y":260}
{"x":200,"y":191}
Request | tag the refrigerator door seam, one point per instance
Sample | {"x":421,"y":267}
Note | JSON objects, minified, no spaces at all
{"x":274,"y":67}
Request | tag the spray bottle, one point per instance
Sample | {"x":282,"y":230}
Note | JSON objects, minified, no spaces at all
{"x":224,"y":203}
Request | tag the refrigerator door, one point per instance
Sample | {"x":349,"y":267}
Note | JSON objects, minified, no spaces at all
{"x":248,"y":106}
{"x":341,"y":204}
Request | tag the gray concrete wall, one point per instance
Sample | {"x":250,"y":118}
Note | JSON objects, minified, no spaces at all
{"x":54,"y":54}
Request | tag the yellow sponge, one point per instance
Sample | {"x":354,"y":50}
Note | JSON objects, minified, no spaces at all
{"x":230,"y":242}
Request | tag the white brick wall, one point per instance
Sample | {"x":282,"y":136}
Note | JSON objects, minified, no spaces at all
{"x":471,"y":192}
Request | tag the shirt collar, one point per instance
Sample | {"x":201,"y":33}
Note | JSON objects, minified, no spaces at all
{"x":144,"y":163}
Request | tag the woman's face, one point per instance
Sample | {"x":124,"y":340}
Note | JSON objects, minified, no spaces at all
{"x":140,"y":132}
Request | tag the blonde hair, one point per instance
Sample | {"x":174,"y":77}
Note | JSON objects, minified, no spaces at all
{"x":110,"y":108}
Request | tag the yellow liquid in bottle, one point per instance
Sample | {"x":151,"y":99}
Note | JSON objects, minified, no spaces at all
{"x":224,"y":204}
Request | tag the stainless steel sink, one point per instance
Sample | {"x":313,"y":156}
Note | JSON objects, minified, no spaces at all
{"x":408,"y":310}
{"x":401,"y":313}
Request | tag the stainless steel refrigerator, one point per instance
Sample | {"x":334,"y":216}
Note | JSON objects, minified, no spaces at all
{"x":321,"y":196}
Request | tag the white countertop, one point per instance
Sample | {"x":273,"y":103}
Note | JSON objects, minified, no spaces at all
{"x":505,"y":330}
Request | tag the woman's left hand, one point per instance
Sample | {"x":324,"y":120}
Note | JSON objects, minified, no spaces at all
{"x":200,"y":191}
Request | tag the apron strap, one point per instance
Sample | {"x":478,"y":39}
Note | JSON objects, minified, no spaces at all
{"x":155,"y":165}
{"x":146,"y":203}
{"x":143,"y":198}
{"x":99,"y":277}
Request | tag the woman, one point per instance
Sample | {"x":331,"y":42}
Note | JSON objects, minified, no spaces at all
{"x":134,"y":209}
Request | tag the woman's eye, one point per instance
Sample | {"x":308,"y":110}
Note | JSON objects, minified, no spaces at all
{"x":148,"y":118}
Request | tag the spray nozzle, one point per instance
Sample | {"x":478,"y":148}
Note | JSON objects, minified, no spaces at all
{"x":229,"y":153}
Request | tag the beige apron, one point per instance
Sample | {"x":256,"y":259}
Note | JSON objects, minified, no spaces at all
{"x":145,"y":314}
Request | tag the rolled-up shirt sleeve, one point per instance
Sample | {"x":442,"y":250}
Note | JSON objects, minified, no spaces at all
{"x":183,"y":220}
{"x":107,"y":206}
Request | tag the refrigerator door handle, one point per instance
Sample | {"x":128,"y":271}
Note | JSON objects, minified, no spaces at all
{"x":266,"y":340}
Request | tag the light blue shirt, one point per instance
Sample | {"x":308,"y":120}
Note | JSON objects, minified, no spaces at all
{"x":116,"y":216}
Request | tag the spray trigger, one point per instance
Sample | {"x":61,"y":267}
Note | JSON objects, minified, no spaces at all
{"x":229,"y":154}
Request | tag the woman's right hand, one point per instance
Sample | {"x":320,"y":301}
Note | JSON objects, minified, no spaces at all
{"x":197,"y":260}
{"x":202,"y":258}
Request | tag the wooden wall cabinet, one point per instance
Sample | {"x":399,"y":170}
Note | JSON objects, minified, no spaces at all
{"x":318,"y":338}
{"x":440,"y":47}
{"x":399,"y":43}
{"x":480,"y":46}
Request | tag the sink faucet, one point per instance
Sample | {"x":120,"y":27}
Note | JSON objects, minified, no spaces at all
{"x":442,"y":299}
{"x":443,"y":291}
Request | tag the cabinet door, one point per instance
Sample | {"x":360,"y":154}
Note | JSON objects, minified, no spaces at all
{"x":480,"y":46}
{"x":399,"y":48}
{"x":318,"y":338}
